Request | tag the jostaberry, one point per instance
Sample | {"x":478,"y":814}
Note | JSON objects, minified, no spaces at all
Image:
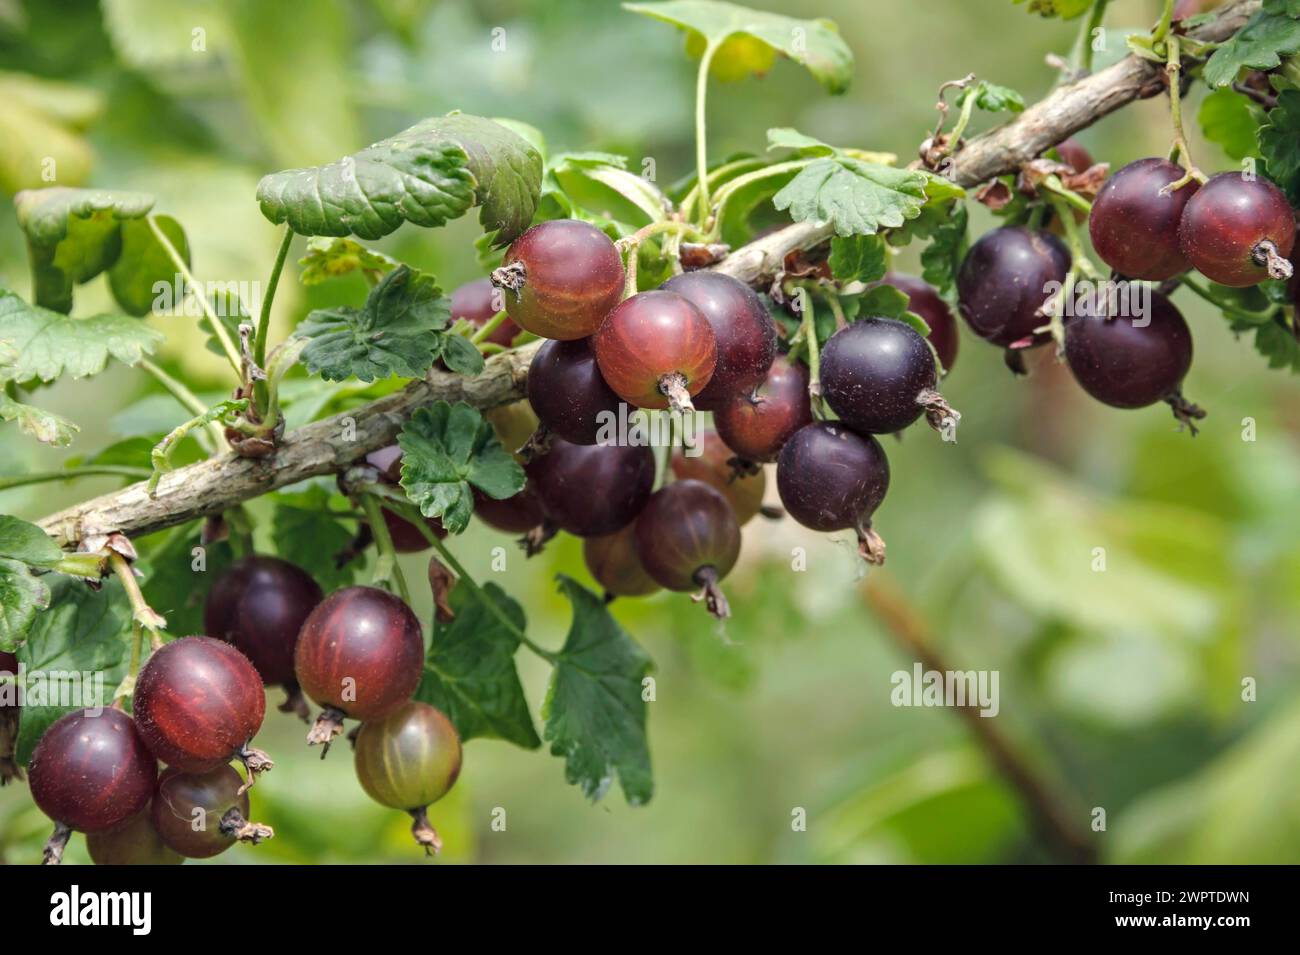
{"x":409,"y":760}
{"x":1134,"y":220}
{"x":656,"y":350}
{"x":568,"y":392}
{"x":756,"y":426}
{"x":926,"y":302}
{"x":711,"y":461}
{"x":360,"y":655}
{"x":200,"y":815}
{"x":688,"y":539}
{"x":593,"y":490}
{"x":1007,"y":277}
{"x":831,"y":479}
{"x":134,"y":842}
{"x":1238,"y":231}
{"x":614,"y":562}
{"x":560,"y":279}
{"x":198,"y":703}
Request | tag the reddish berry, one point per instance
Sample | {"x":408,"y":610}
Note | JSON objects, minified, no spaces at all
{"x":1238,"y":231}
{"x":756,"y":426}
{"x":1134,"y":227}
{"x":656,"y":350}
{"x":688,"y":539}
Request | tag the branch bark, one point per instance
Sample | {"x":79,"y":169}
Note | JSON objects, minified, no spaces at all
{"x":325,"y":447}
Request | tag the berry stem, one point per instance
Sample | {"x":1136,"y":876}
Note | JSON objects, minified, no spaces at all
{"x":1166,"y":21}
{"x":1081,"y":56}
{"x":387,"y":572}
{"x":1253,"y":317}
{"x":264,"y":319}
{"x":412,"y":514}
{"x":151,"y":620}
{"x":1174,"y":69}
{"x":808,"y":329}
{"x":490,"y":326}
{"x":192,"y":286}
{"x":701,"y":132}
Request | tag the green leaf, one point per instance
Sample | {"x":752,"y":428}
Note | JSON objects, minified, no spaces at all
{"x":143,"y":262}
{"x":306,"y":534}
{"x":941,"y":259}
{"x":427,"y":175}
{"x":883,"y":301}
{"x":44,"y":426}
{"x":461,"y":355}
{"x":598,"y":188}
{"x":470,"y":672}
{"x":858,"y":258}
{"x":1230,"y":119}
{"x":595,"y":712}
{"x":179,"y":570}
{"x":84,"y":632}
{"x":73,"y":235}
{"x":21,"y":596}
{"x":1065,"y":9}
{"x":49,"y":344}
{"x":20,"y":540}
{"x":1275,"y":342}
{"x":446,"y":449}
{"x":334,"y":257}
{"x":394,"y":333}
{"x":1260,"y":45}
{"x":815,"y":44}
{"x":857,"y":198}
{"x":1279,"y":143}
{"x":783,"y":137}
{"x":993,"y":98}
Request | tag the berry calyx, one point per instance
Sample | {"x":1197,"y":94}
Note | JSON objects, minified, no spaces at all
{"x":409,"y":760}
{"x":1134,"y":220}
{"x":879,"y":376}
{"x":201,"y":815}
{"x":90,"y":771}
{"x":258,"y":605}
{"x":478,"y":303}
{"x":569,"y":394}
{"x":593,"y":490}
{"x":742,"y":327}
{"x":688,"y":539}
{"x":708,"y":459}
{"x":656,"y":350}
{"x":134,"y":842}
{"x":926,"y":302}
{"x":1133,"y":362}
{"x":198,"y":703}
{"x":1007,"y":277}
{"x":1238,"y":231}
{"x":756,"y":426}
{"x":560,"y":279}
{"x":832,"y":479}
{"x":360,"y":655}
{"x":614,"y":563}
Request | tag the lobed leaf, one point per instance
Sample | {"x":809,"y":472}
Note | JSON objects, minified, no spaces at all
{"x":21,"y":597}
{"x":1260,"y":45}
{"x":143,"y":262}
{"x":44,"y":426}
{"x":855,"y":197}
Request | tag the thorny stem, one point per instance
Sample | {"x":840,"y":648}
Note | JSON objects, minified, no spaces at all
{"x":386,"y":569}
{"x":192,"y":287}
{"x":144,"y":615}
{"x":701,"y":147}
{"x":188,"y":400}
{"x":411,"y":514}
{"x":1048,"y":809}
{"x":264,"y":319}
{"x":1174,"y":68}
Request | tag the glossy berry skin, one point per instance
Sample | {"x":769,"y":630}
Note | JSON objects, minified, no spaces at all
{"x":650,"y":338}
{"x":1225,"y":222}
{"x":830,"y":478}
{"x":197,"y":703}
{"x":513,"y":515}
{"x":1004,"y":282}
{"x":873,"y":372}
{"x":712,"y":465}
{"x":407,"y":538}
{"x":926,"y":302}
{"x":187,"y":800}
{"x":569,"y":394}
{"x":745,"y":333}
{"x":572,"y":277}
{"x":259,"y":605}
{"x":593,"y":490}
{"x":361,"y":651}
{"x":410,"y":758}
{"x":756,"y":426}
{"x":477,"y":302}
{"x":687,"y":529}
{"x":1134,"y":228}
{"x":614,"y":563}
{"x":92,"y":772}
{"x":134,"y":842}
{"x":1127,"y":366}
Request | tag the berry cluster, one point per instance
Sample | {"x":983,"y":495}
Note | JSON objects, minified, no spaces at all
{"x":200,"y":700}
{"x":1151,"y":222}
{"x":701,"y":341}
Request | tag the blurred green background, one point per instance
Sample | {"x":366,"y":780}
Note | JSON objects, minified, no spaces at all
{"x":1123,"y":687}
